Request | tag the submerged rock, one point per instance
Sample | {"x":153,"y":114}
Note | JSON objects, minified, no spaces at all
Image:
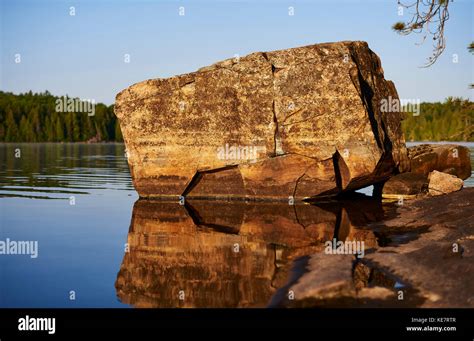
{"x":448,"y":158}
{"x":442,"y":183}
{"x":299,"y":123}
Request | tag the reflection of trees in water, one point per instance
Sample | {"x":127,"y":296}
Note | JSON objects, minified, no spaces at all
{"x":62,"y":165}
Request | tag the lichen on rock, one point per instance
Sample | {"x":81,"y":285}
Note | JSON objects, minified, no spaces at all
{"x":312,"y":114}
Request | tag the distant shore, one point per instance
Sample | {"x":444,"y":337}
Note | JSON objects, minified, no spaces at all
{"x":79,"y":142}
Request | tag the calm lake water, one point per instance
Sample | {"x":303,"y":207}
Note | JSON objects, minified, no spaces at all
{"x":100,"y":246}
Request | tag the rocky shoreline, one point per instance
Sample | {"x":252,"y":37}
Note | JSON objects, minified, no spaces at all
{"x":424,"y":258}
{"x":435,"y":169}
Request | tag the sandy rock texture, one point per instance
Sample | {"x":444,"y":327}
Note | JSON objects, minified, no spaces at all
{"x":301,"y":122}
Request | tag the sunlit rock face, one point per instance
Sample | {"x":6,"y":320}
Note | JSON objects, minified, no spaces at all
{"x":301,"y":122}
{"x":227,"y":254}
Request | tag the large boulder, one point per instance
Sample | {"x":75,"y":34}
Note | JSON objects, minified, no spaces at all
{"x":299,"y":123}
{"x":448,"y":158}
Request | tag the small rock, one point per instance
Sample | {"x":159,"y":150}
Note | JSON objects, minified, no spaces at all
{"x":443,"y":183}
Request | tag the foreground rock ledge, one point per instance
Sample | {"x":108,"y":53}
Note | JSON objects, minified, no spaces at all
{"x":300,"y":123}
{"x":426,"y":251}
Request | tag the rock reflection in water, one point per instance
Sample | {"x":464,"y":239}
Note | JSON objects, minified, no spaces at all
{"x":227,"y":254}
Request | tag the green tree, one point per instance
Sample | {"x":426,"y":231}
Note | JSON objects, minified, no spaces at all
{"x":12,"y":133}
{"x":118,"y":132}
{"x":59,"y":130}
{"x":26,"y":131}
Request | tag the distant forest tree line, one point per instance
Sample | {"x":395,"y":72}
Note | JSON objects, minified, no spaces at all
{"x":32,"y":117}
{"x":452,"y":120}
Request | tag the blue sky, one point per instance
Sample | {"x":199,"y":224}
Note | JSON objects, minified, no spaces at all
{"x":83,"y":55}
